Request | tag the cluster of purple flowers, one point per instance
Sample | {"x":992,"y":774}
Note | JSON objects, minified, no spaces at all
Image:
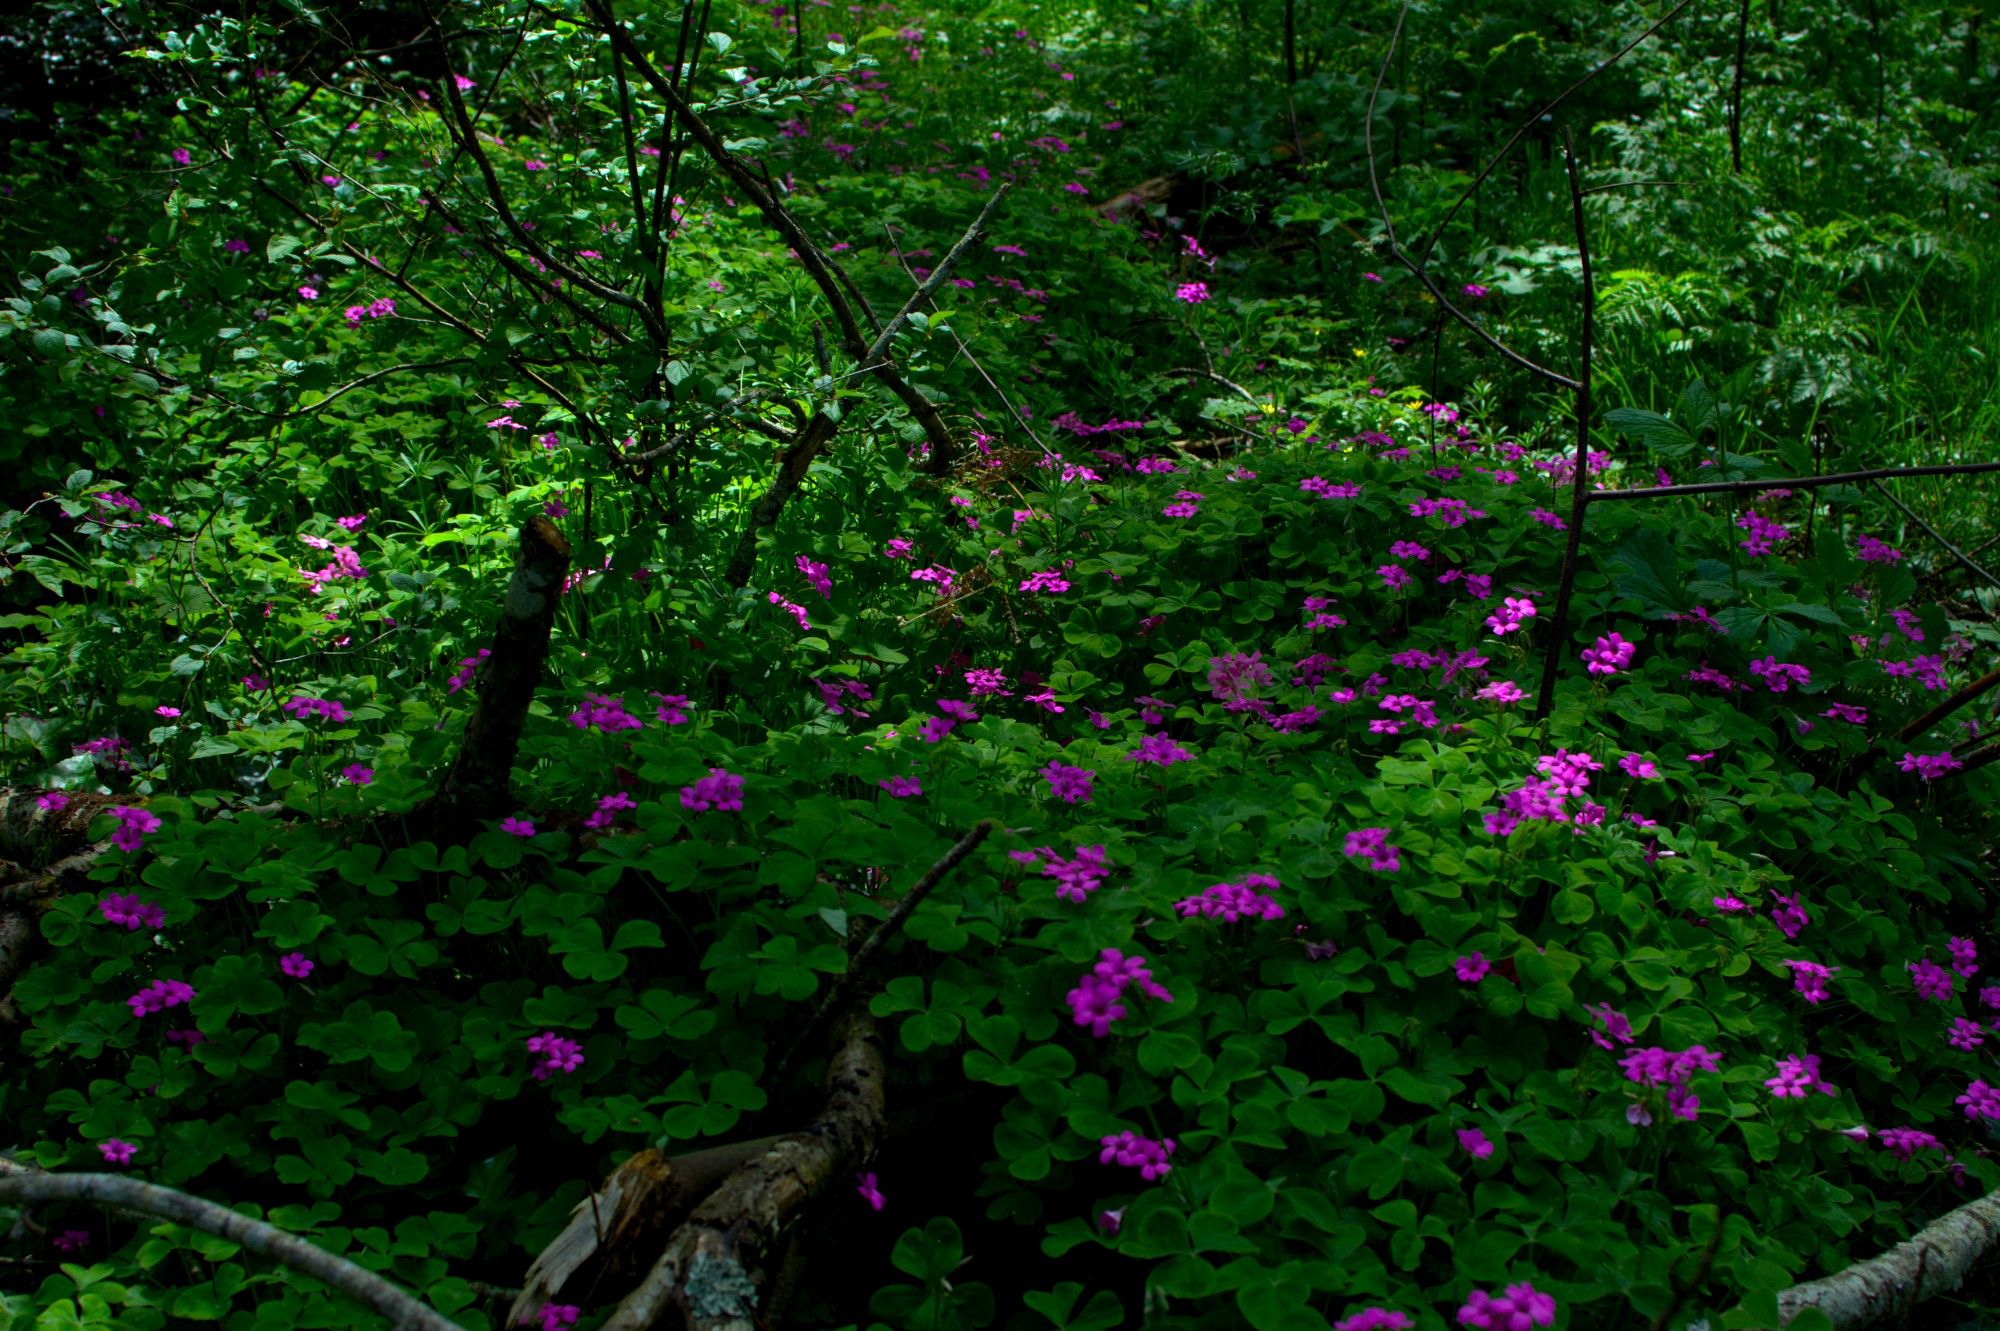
{"x":1094,"y":1003}
{"x":1147,"y":1156}
{"x":1658,"y":1066}
{"x":374,"y":309}
{"x":1161,"y":750}
{"x":1797,"y":1075}
{"x":1048,"y":580}
{"x":1932,"y":981}
{"x":607,"y":813}
{"x":1609,"y":655}
{"x":1520,"y":1307}
{"x":160,"y":995}
{"x":1779,"y":676}
{"x":1071,"y":785}
{"x":134,"y":825}
{"x":128,"y":910}
{"x":604,"y":713}
{"x":1514,"y":611}
{"x":1930,"y":766}
{"x":1372,"y":845}
{"x":816,"y":574}
{"x":467,"y":667}
{"x":557,"y":1055}
{"x":718,"y":790}
{"x":1764,"y":533}
{"x":1075,"y":879}
{"x":302,"y":707}
{"x":1809,"y":979}
{"x":1235,"y":901}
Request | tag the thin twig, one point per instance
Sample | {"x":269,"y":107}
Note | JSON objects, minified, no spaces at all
{"x":1791,"y":482}
{"x":1580,"y":484}
{"x":1936,"y":535}
{"x":864,"y":955}
{"x":363,"y":1286}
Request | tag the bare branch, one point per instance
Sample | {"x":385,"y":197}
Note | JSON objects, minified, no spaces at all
{"x":19,"y":1187}
{"x":1791,"y":482}
{"x":1931,"y":1264}
{"x":1936,"y":535}
{"x":1580,"y":483}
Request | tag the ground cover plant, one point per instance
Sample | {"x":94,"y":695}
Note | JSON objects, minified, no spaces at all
{"x":896,"y":666}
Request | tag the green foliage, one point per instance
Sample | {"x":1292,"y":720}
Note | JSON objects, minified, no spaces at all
{"x":192,"y":429}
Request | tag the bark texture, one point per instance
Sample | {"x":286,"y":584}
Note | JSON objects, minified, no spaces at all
{"x":20,"y":1187}
{"x":718,"y":1266}
{"x":1934,"y":1262}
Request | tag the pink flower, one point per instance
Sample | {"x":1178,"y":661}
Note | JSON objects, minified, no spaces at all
{"x":1475,"y":1143}
{"x":1147,"y":1156}
{"x":517,"y":827}
{"x":358,"y":775}
{"x":557,"y":1053}
{"x":1609,"y":655}
{"x":1191,"y":293}
{"x":816,"y":574}
{"x":718,"y":790}
{"x":1472,"y":969}
{"x":53,"y":801}
{"x":870,"y":1193}
{"x":169,"y":712}
{"x":296,"y":965}
{"x":1520,"y":1308}
{"x":902,"y":787}
{"x":116,"y":1152}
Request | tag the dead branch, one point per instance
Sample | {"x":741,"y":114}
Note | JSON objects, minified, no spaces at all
{"x":797,"y":459}
{"x":1933,"y":1263}
{"x":19,"y":1186}
{"x":479,"y":784}
{"x":717,"y":1266}
{"x":864,"y":955}
{"x":1937,"y":536}
{"x":638,"y":1207}
{"x":1957,"y":700}
{"x":1790,"y":482}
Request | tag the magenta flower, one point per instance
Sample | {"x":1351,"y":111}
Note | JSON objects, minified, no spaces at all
{"x":1964,"y":956}
{"x":1965,"y":1034}
{"x":1111,"y":1221}
{"x":1475,"y":1143}
{"x":356,"y":774}
{"x":902,"y":787}
{"x":1617,"y":1026}
{"x":605,"y":714}
{"x":718,"y":790}
{"x":1069,"y":784}
{"x":673,"y":708}
{"x":556,"y":1316}
{"x":160,"y":995}
{"x":296,"y":965}
{"x":1372,"y":844}
{"x":1981,"y":1101}
{"x":557,"y":1053}
{"x":609,"y":806}
{"x":517,"y":826}
{"x":869,"y":1192}
{"x":1504,"y":692}
{"x":1932,"y":981}
{"x":796,"y":611}
{"x":1809,"y":979}
{"x":1638,"y":767}
{"x":72,"y":1240}
{"x":1764,"y":534}
{"x":1513,"y":613}
{"x":466,"y":668}
{"x":1906,"y":1142}
{"x":1231,"y":902}
{"x":1473,"y":968}
{"x":128,"y":910}
{"x":1048,"y":580}
{"x":1374,"y":1319}
{"x":1191,"y":293}
{"x":1609,"y":655}
{"x":985,"y":682}
{"x":168,"y":712}
{"x":116,"y":1152}
{"x":53,"y":801}
{"x":1143,"y":1154}
{"x":816,"y":574}
{"x":1796,"y":1076}
{"x":1519,"y":1308}
{"x":1161,"y":750}
{"x":1094,"y":1003}
{"x":134,"y":825}
{"x":1930,"y":766}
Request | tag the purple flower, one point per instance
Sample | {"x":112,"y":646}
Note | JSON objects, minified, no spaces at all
{"x":557,"y":1053}
{"x":1809,"y":979}
{"x":53,"y":801}
{"x":1475,"y":1143}
{"x":1374,"y":1319}
{"x":870,"y":1193}
{"x":1048,"y":580}
{"x":1161,"y":750}
{"x":134,"y":825}
{"x":517,"y":826}
{"x":608,"y":807}
{"x":158,"y":996}
{"x":116,"y":1152}
{"x":356,"y":774}
{"x":1964,"y":956}
{"x":1069,"y":784}
{"x":1519,"y":1308}
{"x":1141,"y":1153}
{"x":673,"y":708}
{"x":605,"y":714}
{"x":816,"y":574}
{"x":295,"y":965}
{"x":556,"y":1316}
{"x":1932,"y":981}
{"x":1372,"y":845}
{"x":902,"y":787}
{"x":1981,"y":1101}
{"x":128,"y":910}
{"x":1473,"y":968}
{"x":1230,"y":902}
{"x":718,"y":790}
{"x":1609,"y":655}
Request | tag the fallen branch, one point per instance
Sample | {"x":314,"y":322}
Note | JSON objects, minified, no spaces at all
{"x":797,"y":459}
{"x":479,"y":784}
{"x":1936,"y":535}
{"x":1957,"y":700}
{"x":19,"y":1186}
{"x":1933,"y":1263}
{"x":1791,"y":482}
{"x":864,"y":955}
{"x":638,"y":1207}
{"x":716,"y":1267}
